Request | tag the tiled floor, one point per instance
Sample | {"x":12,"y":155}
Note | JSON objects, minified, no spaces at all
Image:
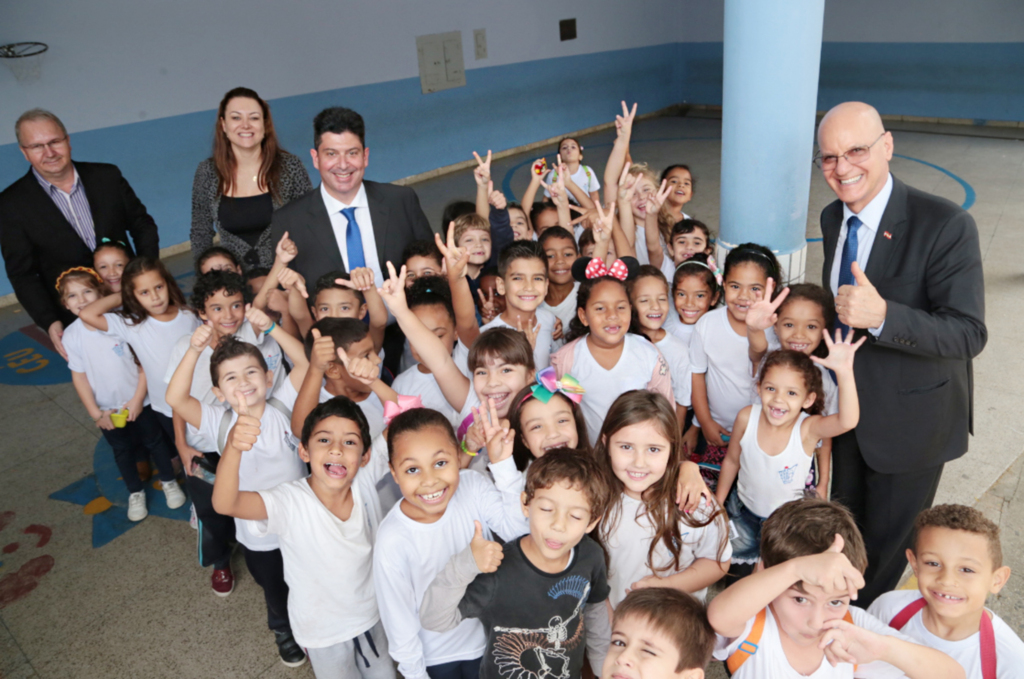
{"x":139,"y":606}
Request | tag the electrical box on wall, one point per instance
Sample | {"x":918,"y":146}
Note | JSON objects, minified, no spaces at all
{"x":480,"y":43}
{"x":440,"y":59}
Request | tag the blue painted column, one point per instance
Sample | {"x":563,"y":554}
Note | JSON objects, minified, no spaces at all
{"x":771,"y":62}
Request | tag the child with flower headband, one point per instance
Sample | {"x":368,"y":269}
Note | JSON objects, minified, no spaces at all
{"x":109,"y":382}
{"x":547,"y":415}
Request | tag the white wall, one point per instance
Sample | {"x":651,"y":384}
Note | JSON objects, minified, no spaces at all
{"x":113,"y":62}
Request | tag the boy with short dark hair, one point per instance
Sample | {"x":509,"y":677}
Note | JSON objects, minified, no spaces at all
{"x":421,"y":258}
{"x":958,"y":561}
{"x":523,"y":281}
{"x":341,"y":295}
{"x":543,"y":594}
{"x":324,"y":520}
{"x":659,"y":633}
{"x":241,"y":380}
{"x":792,"y":617}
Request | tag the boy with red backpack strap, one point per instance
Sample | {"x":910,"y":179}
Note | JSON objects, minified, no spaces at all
{"x":792,"y":616}
{"x":958,"y":561}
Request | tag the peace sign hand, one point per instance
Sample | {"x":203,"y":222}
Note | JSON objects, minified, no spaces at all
{"x":482,"y":173}
{"x":656,"y":200}
{"x":455,"y":258}
{"x":500,"y":438}
{"x":624,"y":122}
{"x":488,"y":307}
{"x":531,"y":332}
{"x":393,"y":290}
{"x":762,"y":313}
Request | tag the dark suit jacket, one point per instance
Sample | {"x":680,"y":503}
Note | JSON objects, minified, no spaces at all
{"x":397,"y":218}
{"x":915,"y":381}
{"x":38,"y":243}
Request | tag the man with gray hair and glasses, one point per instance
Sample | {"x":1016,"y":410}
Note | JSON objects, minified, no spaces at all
{"x":905,"y":269}
{"x":53,"y":218}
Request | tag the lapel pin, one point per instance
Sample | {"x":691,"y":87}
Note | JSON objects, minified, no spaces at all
{"x":887,"y":235}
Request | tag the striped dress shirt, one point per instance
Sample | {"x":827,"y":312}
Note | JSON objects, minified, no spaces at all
{"x":74,"y":206}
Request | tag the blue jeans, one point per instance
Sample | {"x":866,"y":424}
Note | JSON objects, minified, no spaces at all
{"x":147,"y":432}
{"x":745,"y":536}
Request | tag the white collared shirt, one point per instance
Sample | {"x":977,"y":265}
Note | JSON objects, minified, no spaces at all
{"x":340,"y":226}
{"x":871,"y":217}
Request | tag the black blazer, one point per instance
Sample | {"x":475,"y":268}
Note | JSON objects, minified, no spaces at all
{"x":915,"y":382}
{"x":397,"y":219}
{"x":38,"y":243}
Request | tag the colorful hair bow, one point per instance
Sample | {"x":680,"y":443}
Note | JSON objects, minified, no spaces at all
{"x":548,"y":385}
{"x":597,"y":269}
{"x":393,"y":410}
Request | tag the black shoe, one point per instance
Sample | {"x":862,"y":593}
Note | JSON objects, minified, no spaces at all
{"x":289,"y":650}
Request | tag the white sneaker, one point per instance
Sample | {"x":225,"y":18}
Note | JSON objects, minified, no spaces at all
{"x":137,"y":506}
{"x":172,"y":491}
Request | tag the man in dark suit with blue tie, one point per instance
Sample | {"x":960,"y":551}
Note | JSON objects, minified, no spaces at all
{"x":905,"y":268}
{"x":347,"y":222}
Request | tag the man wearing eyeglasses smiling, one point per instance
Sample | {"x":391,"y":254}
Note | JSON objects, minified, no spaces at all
{"x":905,"y":269}
{"x":53,"y":217}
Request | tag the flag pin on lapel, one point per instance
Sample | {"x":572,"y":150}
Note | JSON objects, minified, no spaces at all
{"x":887,"y":235}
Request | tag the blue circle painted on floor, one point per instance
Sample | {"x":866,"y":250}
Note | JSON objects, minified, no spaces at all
{"x":26,"y":362}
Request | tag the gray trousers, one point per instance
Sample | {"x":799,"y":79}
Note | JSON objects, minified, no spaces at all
{"x":364,"y":657}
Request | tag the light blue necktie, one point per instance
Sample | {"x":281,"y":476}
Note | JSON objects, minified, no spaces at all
{"x":849,"y":257}
{"x":354,"y":241}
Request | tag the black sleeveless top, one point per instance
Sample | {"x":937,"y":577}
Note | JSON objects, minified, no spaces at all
{"x":246,"y":217}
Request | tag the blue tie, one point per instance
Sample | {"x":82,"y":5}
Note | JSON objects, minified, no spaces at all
{"x":849,"y":257}
{"x":354,"y":241}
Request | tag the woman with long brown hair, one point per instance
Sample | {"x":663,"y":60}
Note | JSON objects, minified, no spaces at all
{"x":237,"y":189}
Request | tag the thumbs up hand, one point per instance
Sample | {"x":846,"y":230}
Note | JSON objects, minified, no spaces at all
{"x":488,"y":555}
{"x":860,"y":306}
{"x":247,"y":428}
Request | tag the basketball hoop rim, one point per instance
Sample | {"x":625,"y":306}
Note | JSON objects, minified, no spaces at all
{"x":21,"y":50}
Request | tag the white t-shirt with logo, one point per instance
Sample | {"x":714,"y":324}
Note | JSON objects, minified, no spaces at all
{"x":107,"y":362}
{"x":542,"y":350}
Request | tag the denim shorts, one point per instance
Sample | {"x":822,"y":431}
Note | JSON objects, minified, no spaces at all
{"x":744,"y":530}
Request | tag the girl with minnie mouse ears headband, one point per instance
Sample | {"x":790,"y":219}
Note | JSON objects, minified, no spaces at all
{"x":601,"y":354}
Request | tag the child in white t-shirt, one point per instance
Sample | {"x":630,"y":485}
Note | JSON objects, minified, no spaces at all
{"x":108,"y":381}
{"x":719,"y":355}
{"x":581,"y":183}
{"x":434,"y":522}
{"x":561,"y":251}
{"x":241,"y":380}
{"x":958,"y":561}
{"x":324,"y":520}
{"x":792,"y":617}
{"x":650,"y":542}
{"x":601,"y":354}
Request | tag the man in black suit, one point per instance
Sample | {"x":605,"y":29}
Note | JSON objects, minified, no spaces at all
{"x":52,"y":218}
{"x":905,"y":267}
{"x":348,"y":222}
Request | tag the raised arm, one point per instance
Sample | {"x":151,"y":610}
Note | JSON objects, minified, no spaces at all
{"x":454,"y":385}
{"x":652,"y":232}
{"x":840,"y":361}
{"x":284,"y":253}
{"x":762,"y":315}
{"x":178,"y":396}
{"x":362,"y":279}
{"x":482,"y":175}
{"x":456,"y":259}
{"x":530,"y":195}
{"x":320,"y":357}
{"x":620,"y":149}
{"x":847,"y":643}
{"x":227,"y":498}
{"x":93,"y":313}
{"x":440,"y":609}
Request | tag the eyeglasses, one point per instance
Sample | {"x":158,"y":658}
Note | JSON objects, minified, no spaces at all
{"x":854,"y":156}
{"x":53,"y":145}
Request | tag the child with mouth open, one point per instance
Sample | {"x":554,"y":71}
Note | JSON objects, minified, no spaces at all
{"x":435,"y":520}
{"x":770,"y":454}
{"x":541,"y":597}
{"x":321,"y":521}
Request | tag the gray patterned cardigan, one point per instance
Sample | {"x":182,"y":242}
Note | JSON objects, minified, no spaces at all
{"x":294,"y":182}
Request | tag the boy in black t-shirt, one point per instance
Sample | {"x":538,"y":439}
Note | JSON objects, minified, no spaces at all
{"x":541,"y":597}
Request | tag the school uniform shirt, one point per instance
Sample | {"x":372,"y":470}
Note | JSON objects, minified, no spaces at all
{"x":153,"y":341}
{"x":766,"y":482}
{"x":542,"y":350}
{"x":584,"y":177}
{"x":107,"y":363}
{"x":565,"y":310}
{"x":460,"y":354}
{"x":770,"y":660}
{"x":202,"y":380}
{"x":680,"y":329}
{"x":324,"y":607}
{"x":533,"y":617}
{"x":408,"y":555}
{"x":722,"y":355}
{"x":641,"y":366}
{"x":630,"y":540}
{"x":273,"y":459}
{"x":677,"y":355}
{"x":413,"y":382}
{"x":967,"y":652}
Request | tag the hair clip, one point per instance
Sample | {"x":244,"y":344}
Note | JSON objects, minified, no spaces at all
{"x":548,"y":384}
{"x":393,"y":410}
{"x":106,"y":240}
{"x":597,"y":269}
{"x":711,"y":266}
